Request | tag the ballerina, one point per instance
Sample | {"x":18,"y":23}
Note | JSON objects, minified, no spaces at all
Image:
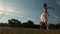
{"x":44,"y":16}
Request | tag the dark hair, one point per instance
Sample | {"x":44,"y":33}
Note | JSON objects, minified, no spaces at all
{"x":45,"y":4}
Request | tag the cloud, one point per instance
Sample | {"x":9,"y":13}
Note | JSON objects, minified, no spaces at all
{"x":4,"y":8}
{"x":56,"y":17}
{"x":1,"y":0}
{"x":58,"y":2}
{"x":14,"y":9}
{"x":53,"y":19}
{"x":1,"y":12}
{"x":20,"y":16}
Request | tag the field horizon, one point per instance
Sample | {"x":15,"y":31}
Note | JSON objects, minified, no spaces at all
{"x":15,"y":30}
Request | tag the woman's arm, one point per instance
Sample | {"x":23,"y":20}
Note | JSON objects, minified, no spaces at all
{"x":48,"y":14}
{"x":50,"y":8}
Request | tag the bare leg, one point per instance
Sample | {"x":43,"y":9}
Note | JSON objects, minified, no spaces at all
{"x":41,"y":25}
{"x":46,"y":25}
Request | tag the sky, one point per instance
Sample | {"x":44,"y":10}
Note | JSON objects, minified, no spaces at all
{"x":25,"y":10}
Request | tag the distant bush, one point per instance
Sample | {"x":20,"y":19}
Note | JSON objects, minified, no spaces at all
{"x":28,"y":24}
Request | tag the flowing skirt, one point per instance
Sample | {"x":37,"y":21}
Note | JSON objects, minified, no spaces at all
{"x":43,"y":17}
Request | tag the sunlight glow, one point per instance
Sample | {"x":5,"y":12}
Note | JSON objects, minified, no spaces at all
{"x":5,"y":9}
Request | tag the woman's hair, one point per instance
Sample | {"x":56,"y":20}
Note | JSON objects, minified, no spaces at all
{"x":45,"y":5}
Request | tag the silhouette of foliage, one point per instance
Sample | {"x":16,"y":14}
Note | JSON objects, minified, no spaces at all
{"x":24,"y":25}
{"x":36,"y":26}
{"x":14,"y":23}
{"x":3,"y":24}
{"x":28,"y":24}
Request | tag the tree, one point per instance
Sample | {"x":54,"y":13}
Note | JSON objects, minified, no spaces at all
{"x":30,"y":24}
{"x":24,"y":25}
{"x":14,"y":22}
{"x":3,"y":24}
{"x":36,"y":26}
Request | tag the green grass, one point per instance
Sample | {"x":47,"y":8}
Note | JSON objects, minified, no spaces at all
{"x":14,"y":30}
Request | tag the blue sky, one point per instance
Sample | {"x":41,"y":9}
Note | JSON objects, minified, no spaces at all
{"x":25,"y":10}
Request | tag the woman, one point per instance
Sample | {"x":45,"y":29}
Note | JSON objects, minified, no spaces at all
{"x":44,"y":16}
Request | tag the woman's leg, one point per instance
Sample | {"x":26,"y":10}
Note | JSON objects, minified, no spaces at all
{"x":46,"y":25}
{"x":40,"y":25}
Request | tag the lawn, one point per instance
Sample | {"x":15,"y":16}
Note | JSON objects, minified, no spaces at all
{"x":15,"y":30}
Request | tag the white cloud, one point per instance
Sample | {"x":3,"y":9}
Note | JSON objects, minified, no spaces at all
{"x":1,"y":0}
{"x":13,"y":8}
{"x":53,"y":19}
{"x":2,"y":8}
{"x":56,"y":17}
{"x":20,"y":16}
{"x":58,"y":2}
{"x":1,"y":12}
{"x":5,"y":7}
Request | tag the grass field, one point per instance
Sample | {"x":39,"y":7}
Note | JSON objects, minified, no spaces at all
{"x":14,"y":30}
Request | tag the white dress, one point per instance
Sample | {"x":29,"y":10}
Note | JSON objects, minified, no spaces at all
{"x":43,"y":17}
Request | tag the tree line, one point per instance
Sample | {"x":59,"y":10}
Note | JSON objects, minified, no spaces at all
{"x":28,"y":24}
